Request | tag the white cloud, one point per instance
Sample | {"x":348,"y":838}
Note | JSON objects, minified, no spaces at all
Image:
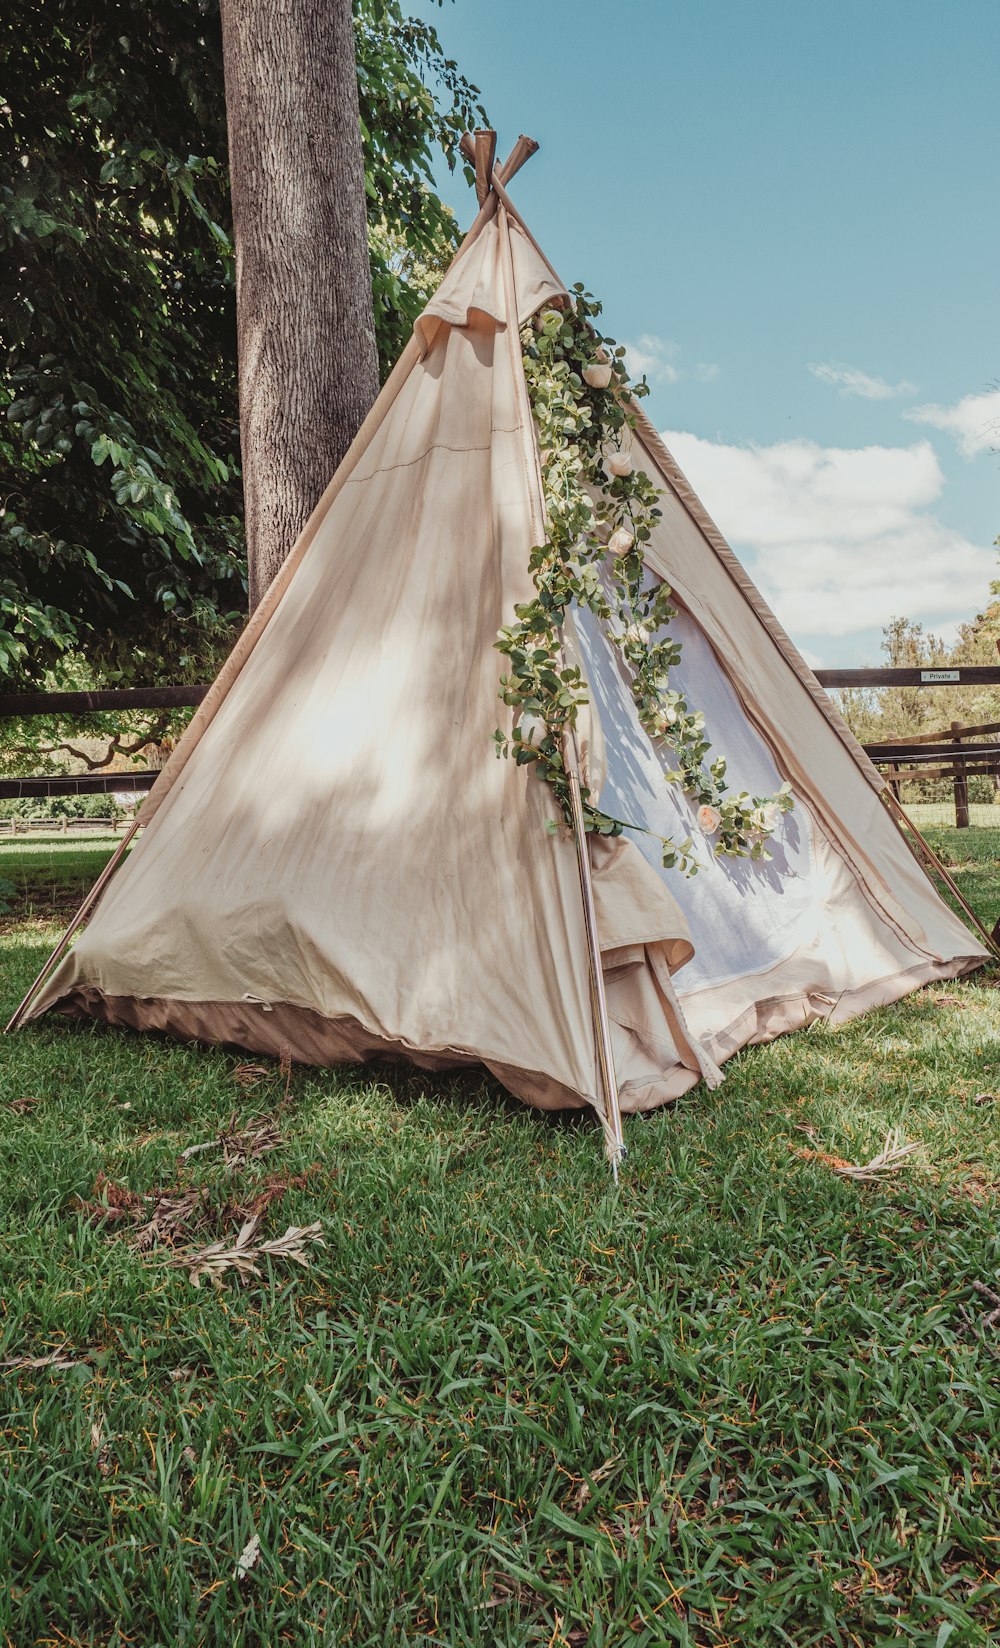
{"x":851,"y":381}
{"x":706,"y":371}
{"x":653,"y":358}
{"x":974,"y":421}
{"x":842,"y":540}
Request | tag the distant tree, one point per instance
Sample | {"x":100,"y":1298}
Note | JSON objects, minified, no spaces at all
{"x":121,"y":529}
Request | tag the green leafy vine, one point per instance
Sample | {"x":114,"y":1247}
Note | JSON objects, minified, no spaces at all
{"x":600,"y":513}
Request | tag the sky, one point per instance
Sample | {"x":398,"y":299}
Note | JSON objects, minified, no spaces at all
{"x":790,"y":214}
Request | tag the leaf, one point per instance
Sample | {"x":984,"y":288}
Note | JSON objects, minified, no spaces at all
{"x":248,"y":1557}
{"x":55,"y":1359}
{"x":888,"y":1160}
{"x":241,"y":1256}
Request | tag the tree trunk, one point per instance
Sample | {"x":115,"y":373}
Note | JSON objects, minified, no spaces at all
{"x":308,"y":364}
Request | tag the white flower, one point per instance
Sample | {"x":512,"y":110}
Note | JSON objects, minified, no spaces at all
{"x":636,"y":635}
{"x":619,"y":463}
{"x":668,"y":716}
{"x":621,"y":540}
{"x":598,"y":376}
{"x":533,"y":729}
{"x":766,"y":818}
{"x":709,"y":819}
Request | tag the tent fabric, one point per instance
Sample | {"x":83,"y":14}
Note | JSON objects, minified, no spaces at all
{"x":335,"y":865}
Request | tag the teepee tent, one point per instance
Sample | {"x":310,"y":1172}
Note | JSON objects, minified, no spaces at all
{"x":334,"y":865}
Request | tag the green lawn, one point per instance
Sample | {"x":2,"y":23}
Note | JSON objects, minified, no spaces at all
{"x":741,"y":1402}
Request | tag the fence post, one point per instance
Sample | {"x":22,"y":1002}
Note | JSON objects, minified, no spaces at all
{"x":961,"y":784}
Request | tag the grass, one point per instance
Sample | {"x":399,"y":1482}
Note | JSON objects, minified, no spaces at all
{"x":740,"y":1402}
{"x":938,"y":814}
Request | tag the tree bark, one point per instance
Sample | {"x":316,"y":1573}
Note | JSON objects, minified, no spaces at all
{"x":308,"y":364}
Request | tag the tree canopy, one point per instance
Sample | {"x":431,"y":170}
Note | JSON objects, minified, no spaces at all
{"x":121,"y":532}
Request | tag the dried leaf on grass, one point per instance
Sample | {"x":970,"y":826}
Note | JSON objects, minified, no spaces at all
{"x":274,"y":1187}
{"x":984,"y":1098}
{"x":55,"y":1359}
{"x":242,"y":1256}
{"x":20,"y":1107}
{"x":113,"y":1202}
{"x":950,"y":1001}
{"x":248,"y":1557}
{"x":238,"y":1144}
{"x":100,"y":1448}
{"x":162,"y":1215}
{"x":993,"y":1319}
{"x":248,"y":1075}
{"x":582,"y":1492}
{"x":888,"y":1160}
{"x":171,"y":1215}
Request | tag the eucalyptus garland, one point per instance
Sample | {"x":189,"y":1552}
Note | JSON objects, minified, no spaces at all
{"x":600,"y":512}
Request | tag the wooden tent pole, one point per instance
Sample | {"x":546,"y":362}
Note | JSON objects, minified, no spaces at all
{"x":605,"y":1053}
{"x":90,"y":899}
{"x":611,"y":1119}
{"x":924,"y":850}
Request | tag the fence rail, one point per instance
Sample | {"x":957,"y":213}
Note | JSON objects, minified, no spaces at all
{"x":970,"y":675}
{"x":934,"y":755}
{"x":111,"y":698}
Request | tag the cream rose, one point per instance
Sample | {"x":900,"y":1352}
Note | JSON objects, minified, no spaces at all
{"x":619,"y":463}
{"x":766,"y":818}
{"x":532,"y":729}
{"x":709,"y":819}
{"x":636,"y":635}
{"x":621,"y":540}
{"x":597,"y":376}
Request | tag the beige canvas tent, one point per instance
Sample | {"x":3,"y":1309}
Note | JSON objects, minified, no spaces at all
{"x":334,"y":864}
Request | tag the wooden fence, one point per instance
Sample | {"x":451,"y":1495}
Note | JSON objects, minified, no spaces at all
{"x":946,"y":754}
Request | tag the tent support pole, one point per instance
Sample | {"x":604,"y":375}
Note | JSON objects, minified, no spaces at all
{"x":602,"y":1025}
{"x":80,"y":917}
{"x":925,"y":852}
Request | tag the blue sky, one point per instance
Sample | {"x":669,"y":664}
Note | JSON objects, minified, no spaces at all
{"x":790,"y":212}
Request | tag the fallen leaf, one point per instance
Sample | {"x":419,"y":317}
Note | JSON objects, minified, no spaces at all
{"x":984,"y":1098}
{"x":249,"y":1557}
{"x":888,"y":1160}
{"x":582,"y":1492}
{"x":20,"y":1107}
{"x":242,"y":1255}
{"x":248,"y":1075}
{"x":55,"y":1359}
{"x":239,"y":1145}
{"x":99,"y":1447}
{"x":170,"y":1215}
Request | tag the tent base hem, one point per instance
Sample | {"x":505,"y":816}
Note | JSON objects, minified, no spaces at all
{"x":307,"y":1037}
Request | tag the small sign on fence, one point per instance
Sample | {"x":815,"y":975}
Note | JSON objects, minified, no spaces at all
{"x":940,"y":675}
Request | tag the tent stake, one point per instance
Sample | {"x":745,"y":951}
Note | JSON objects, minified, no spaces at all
{"x":82,"y":913}
{"x":924,"y":850}
{"x":605,"y":1055}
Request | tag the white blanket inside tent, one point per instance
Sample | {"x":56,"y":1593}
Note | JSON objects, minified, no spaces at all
{"x":744,"y":917}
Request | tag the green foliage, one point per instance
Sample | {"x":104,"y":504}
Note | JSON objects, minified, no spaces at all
{"x":600,"y":512}
{"x":119,"y":454}
{"x":121,"y":496}
{"x":740,"y":1401}
{"x":33,"y":809}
